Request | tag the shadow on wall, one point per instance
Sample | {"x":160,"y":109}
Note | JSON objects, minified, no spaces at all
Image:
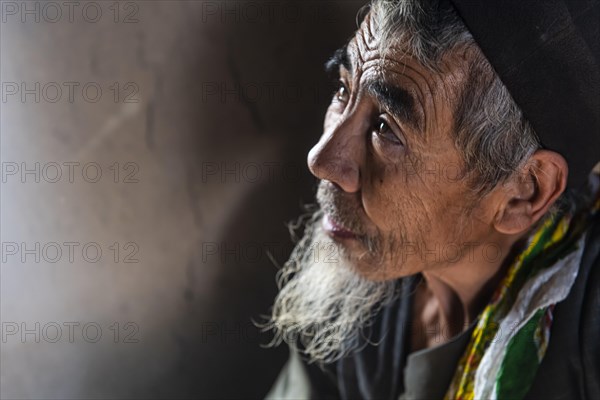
{"x":152,"y":152}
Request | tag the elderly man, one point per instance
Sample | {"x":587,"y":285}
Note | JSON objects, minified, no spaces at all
{"x":455,"y":248}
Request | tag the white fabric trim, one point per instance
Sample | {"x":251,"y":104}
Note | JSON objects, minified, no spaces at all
{"x":549,"y":286}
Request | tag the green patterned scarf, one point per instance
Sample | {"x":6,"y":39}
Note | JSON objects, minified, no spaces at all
{"x":511,"y":337}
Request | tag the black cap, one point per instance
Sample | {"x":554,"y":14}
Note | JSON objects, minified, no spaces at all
{"x":547,"y":53}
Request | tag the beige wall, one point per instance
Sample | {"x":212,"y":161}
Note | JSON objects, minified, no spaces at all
{"x":189,"y":309}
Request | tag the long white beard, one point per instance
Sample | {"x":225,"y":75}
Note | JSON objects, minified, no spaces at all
{"x":323,"y":302}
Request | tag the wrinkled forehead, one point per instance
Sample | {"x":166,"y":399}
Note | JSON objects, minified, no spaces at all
{"x":368,"y":43}
{"x":366,"y":38}
{"x":393,"y":59}
{"x":365,"y":47}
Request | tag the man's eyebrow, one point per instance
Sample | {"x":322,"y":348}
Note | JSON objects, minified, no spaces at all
{"x":397,"y":100}
{"x":340,"y":57}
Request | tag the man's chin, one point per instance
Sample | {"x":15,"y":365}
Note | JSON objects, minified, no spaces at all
{"x":355,"y":256}
{"x":325,"y":299}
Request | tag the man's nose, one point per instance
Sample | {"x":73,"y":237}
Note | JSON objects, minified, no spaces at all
{"x":337,"y":157}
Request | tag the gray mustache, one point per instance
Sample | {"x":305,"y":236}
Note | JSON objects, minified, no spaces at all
{"x":339,"y":206}
{"x":345,"y":208}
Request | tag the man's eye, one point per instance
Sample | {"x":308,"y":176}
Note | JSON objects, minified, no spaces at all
{"x":383,"y":130}
{"x":342,"y":93}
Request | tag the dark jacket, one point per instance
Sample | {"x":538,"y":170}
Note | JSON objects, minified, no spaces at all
{"x":569,"y":370}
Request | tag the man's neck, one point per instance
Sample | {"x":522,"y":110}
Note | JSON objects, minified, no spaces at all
{"x":449,"y":299}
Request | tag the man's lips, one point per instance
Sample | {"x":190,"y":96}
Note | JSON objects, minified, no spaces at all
{"x":333,"y":228}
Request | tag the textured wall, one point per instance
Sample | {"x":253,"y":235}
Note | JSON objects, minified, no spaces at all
{"x":188,"y":89}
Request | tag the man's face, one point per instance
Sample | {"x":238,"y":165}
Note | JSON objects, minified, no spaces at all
{"x":391,"y":185}
{"x":392,"y":201}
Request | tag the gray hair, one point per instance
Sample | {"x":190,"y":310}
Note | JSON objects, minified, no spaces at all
{"x":491,"y":133}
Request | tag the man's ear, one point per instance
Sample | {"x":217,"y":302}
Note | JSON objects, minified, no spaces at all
{"x":527,"y":196}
